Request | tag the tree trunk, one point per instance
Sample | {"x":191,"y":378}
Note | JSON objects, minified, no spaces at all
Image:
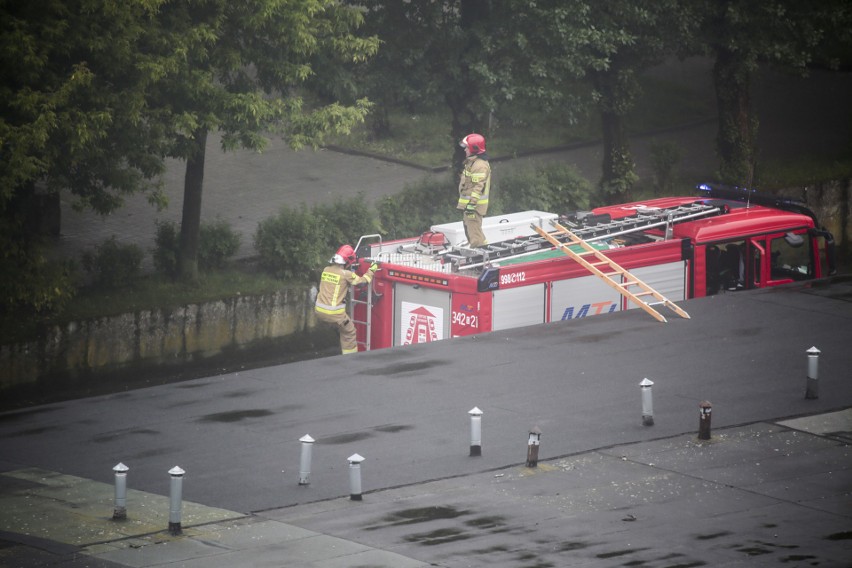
{"x":618,"y":169}
{"x":463,"y":101}
{"x":190,"y":226}
{"x":735,"y":141}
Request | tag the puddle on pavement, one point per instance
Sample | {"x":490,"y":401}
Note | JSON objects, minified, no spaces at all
{"x":711,"y":536}
{"x":403,"y":368}
{"x":492,"y":550}
{"x":799,"y":558}
{"x":439,"y":536}
{"x":345,"y":438}
{"x":493,"y":522}
{"x":419,"y":515}
{"x":239,"y":393}
{"x":393,"y":428}
{"x":846,"y":535}
{"x":617,"y":553}
{"x":123,"y":433}
{"x":147,"y":454}
{"x":235,"y":415}
{"x":568,"y":546}
{"x":32,"y":431}
{"x":20,"y":414}
{"x":753,"y":550}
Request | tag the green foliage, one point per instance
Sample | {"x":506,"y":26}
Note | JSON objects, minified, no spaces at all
{"x":218,"y":242}
{"x":419,"y":206}
{"x":617,"y":184}
{"x":743,"y":35}
{"x":245,"y":69}
{"x":556,"y":188}
{"x":31,"y":284}
{"x":73,"y":117}
{"x":664,"y":159}
{"x":345,"y":221}
{"x":160,"y":291}
{"x":113,"y":265}
{"x":166,"y":245}
{"x":804,"y":171}
{"x":297,"y":242}
{"x":72,"y":100}
{"x":292,"y":244}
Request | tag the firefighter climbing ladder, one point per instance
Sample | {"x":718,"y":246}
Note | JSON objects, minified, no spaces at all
{"x":356,"y":293}
{"x":645,"y":218}
{"x":611,"y":272}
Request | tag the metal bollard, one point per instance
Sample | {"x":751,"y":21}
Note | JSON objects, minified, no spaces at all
{"x":704,"y":408}
{"x":305,"y":461}
{"x":532,"y":447}
{"x":812,"y":389}
{"x":119,"y":513}
{"x":475,"y":431}
{"x":647,"y":402}
{"x":355,"y":477}
{"x":175,"y":500}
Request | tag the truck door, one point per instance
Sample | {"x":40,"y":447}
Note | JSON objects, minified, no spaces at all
{"x":517,"y":307}
{"x":421,"y":314}
{"x":786,"y":257}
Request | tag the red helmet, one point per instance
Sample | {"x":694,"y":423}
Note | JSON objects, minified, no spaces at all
{"x":476,"y":143}
{"x":344,"y":255}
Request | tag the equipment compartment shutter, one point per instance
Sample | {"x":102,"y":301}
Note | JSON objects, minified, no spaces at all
{"x":516,"y":307}
{"x":421,"y":314}
{"x":581,"y":297}
{"x":667,"y":279}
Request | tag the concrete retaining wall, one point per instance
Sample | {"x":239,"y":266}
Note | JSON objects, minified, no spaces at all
{"x":157,"y":337}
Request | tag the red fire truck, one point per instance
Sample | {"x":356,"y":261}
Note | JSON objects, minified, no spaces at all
{"x":434,"y":287}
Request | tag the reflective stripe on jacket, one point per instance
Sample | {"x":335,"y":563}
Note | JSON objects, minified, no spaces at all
{"x":334,"y":284}
{"x":475,"y":184}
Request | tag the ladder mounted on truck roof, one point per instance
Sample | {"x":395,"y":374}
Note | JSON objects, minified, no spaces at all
{"x":644,"y":218}
{"x":610,"y":272}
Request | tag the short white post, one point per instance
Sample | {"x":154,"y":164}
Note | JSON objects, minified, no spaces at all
{"x":647,"y":402}
{"x":305,"y":461}
{"x":475,"y":431}
{"x":812,"y":389}
{"x":119,"y":513}
{"x":355,"y":477}
{"x":175,"y":500}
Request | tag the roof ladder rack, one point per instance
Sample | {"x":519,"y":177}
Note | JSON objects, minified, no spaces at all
{"x":645,"y":218}
{"x":611,"y":273}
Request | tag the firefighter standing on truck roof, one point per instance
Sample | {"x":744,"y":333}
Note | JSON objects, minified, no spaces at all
{"x":334,"y":284}
{"x":474,"y":186}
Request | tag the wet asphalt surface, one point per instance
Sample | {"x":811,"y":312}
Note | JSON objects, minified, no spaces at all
{"x":608,"y":488}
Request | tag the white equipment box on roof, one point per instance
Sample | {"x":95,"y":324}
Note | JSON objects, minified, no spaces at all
{"x":500,"y":227}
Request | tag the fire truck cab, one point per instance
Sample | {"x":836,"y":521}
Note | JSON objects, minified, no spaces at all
{"x":432,"y":287}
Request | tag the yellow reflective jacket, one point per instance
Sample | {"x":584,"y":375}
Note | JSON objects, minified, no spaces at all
{"x":475,"y":184}
{"x":334,"y":284}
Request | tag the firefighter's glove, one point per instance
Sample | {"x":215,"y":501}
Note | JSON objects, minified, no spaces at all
{"x":470,"y":207}
{"x":374,"y":267}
